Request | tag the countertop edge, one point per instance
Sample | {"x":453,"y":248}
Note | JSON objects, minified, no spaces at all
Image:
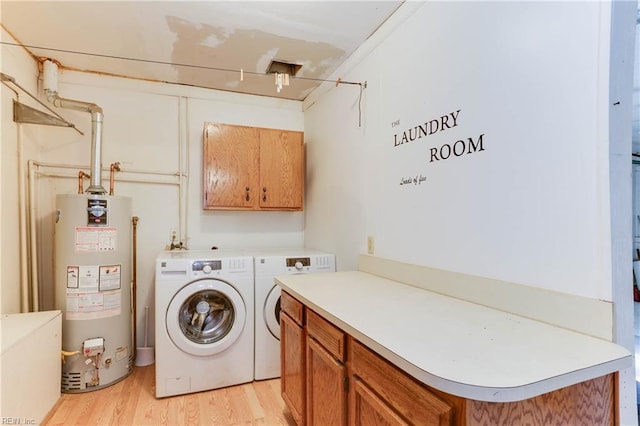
{"x":465,"y":390}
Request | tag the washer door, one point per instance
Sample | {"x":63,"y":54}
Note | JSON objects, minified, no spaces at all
{"x":206,"y":317}
{"x":271,"y":312}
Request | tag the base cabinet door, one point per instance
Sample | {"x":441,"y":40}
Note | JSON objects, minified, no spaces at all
{"x":293,"y":377}
{"x":326,"y":381}
{"x":367,"y":409}
{"x":382,"y":394}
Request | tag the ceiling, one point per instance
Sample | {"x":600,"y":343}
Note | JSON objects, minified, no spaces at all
{"x":199,"y":43}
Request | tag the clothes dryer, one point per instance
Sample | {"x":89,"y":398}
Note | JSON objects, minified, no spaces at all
{"x":267,"y":265}
{"x":204,"y":321}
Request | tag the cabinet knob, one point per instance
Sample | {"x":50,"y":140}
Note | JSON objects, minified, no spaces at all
{"x":246,"y":193}
{"x":264,"y":193}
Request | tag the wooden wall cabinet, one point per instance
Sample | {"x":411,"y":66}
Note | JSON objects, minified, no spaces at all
{"x":250,"y":168}
{"x":316,"y":369}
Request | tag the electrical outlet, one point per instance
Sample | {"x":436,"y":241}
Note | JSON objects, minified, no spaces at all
{"x":370,"y":245}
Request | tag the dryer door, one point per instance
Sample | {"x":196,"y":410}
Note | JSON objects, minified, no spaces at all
{"x":272,"y":312}
{"x":206,"y":317}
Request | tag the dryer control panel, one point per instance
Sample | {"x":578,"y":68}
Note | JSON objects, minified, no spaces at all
{"x":298,"y":264}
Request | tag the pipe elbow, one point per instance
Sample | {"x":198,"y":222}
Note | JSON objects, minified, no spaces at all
{"x":95,"y":110}
{"x":53,"y":97}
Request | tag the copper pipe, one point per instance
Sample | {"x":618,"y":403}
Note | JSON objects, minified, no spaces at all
{"x":114,"y":167}
{"x":81,"y":175}
{"x":134,"y":221}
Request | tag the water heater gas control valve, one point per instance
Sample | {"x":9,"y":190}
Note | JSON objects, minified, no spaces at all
{"x":93,"y":347}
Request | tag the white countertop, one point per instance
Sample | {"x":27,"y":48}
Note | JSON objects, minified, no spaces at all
{"x":459,"y":347}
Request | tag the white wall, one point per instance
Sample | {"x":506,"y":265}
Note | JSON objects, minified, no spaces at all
{"x":532,"y":206}
{"x":17,"y":64}
{"x":539,"y":205}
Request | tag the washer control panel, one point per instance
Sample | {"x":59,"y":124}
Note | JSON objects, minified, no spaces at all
{"x":205,"y":266}
{"x":181,"y":265}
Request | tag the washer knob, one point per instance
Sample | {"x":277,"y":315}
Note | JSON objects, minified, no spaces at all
{"x":206,"y":269}
{"x":299,"y":265}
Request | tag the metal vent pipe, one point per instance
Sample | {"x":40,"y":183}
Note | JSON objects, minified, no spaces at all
{"x":50,"y":84}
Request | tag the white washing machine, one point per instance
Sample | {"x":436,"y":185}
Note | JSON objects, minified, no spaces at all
{"x":267,"y":265}
{"x":204,"y":321}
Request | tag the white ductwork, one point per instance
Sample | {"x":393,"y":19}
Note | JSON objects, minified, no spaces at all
{"x":50,"y":85}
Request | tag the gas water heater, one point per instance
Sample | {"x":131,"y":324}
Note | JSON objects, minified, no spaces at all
{"x":93,"y":289}
{"x":92,"y":272}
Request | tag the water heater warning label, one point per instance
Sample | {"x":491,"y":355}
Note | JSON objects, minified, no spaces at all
{"x":88,"y":306}
{"x":73,"y":274}
{"x":93,"y":291}
{"x":95,"y":239}
{"x":109,"y":277}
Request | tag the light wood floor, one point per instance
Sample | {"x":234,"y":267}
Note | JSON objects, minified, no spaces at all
{"x":132,"y":402}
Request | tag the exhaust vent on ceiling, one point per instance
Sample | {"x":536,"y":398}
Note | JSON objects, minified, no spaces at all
{"x":283,"y":68}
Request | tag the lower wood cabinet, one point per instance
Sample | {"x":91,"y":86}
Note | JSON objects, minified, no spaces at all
{"x":326,"y":372}
{"x":326,"y":393}
{"x":382,"y":394}
{"x":293,"y":357}
{"x":367,"y":408}
{"x":330,"y":378}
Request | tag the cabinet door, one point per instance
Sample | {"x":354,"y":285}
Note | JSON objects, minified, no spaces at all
{"x":367,"y":409}
{"x":281,"y":169}
{"x":411,"y":400}
{"x":292,"y":358}
{"x":292,"y":307}
{"x":328,"y":335}
{"x":230,"y":167}
{"x":326,"y":394}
